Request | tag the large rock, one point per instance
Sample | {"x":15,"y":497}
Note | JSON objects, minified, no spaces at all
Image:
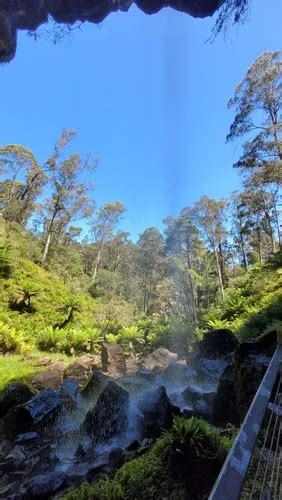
{"x":94,"y":386}
{"x":13,"y":395}
{"x":43,"y":486}
{"x":159,"y":359}
{"x":30,"y":14}
{"x":217,"y":344}
{"x":225,"y":408}
{"x":156,"y":411}
{"x":48,"y":379}
{"x":249,"y":370}
{"x":113,"y":360}
{"x":80,"y":370}
{"x":109,"y":416}
{"x":40,"y":410}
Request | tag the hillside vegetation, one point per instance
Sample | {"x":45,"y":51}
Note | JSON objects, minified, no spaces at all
{"x":71,"y":278}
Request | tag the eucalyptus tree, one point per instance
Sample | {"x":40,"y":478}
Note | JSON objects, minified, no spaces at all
{"x":150,"y":266}
{"x":210,"y":216}
{"x":103,"y":228}
{"x":182,"y":241}
{"x":69,"y":198}
{"x":257,"y":101}
{"x":22,"y":182}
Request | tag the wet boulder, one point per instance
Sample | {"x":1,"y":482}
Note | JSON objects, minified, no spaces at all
{"x":94,"y":386}
{"x":225,"y":408}
{"x":217,"y":344}
{"x":13,"y":395}
{"x":109,"y":417}
{"x":179,"y":373}
{"x":157,"y":412}
{"x":43,"y":486}
{"x":40,"y":410}
{"x":113,"y":360}
{"x":159,"y":359}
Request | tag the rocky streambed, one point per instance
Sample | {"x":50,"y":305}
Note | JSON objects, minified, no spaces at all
{"x":81,"y":427}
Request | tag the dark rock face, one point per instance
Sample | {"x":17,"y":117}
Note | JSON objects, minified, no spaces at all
{"x":217,"y":344}
{"x":94,"y":386}
{"x":13,"y":395}
{"x":157,"y":412}
{"x":225,"y":407}
{"x":40,"y":410}
{"x":43,"y":486}
{"x":30,"y":14}
{"x":108,"y":418}
{"x":113,"y":360}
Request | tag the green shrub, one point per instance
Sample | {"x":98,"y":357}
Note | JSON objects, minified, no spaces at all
{"x":12,"y":340}
{"x":6,"y":266}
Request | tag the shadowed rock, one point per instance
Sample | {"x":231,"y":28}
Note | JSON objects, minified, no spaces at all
{"x":157,"y":412}
{"x":43,"y":486}
{"x":225,"y":409}
{"x":40,"y":410}
{"x":14,"y":394}
{"x":218,"y":343}
{"x":94,"y":386}
{"x":108,"y":418}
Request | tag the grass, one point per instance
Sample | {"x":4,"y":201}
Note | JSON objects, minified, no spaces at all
{"x":15,"y":368}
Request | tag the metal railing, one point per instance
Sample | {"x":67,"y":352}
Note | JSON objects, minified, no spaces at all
{"x":233,"y":473}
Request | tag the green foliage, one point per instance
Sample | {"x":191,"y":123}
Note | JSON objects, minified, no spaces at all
{"x":12,"y":340}
{"x":6,"y":266}
{"x":253,"y":303}
{"x":70,"y":340}
{"x":183,"y":463}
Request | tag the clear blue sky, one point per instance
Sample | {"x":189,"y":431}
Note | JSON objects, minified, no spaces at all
{"x":147,"y":95}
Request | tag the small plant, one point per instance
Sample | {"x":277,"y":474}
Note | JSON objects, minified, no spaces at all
{"x":217,"y":324}
{"x":25,"y":290}
{"x":12,"y":340}
{"x":52,"y":339}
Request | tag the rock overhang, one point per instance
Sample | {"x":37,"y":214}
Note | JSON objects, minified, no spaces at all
{"x":30,"y":14}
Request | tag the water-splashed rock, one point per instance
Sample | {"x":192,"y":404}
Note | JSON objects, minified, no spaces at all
{"x":39,"y":411}
{"x":218,"y":343}
{"x":108,"y":418}
{"x":156,"y":411}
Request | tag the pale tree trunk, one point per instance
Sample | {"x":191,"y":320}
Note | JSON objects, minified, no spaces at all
{"x":96,"y":266}
{"x":49,"y":232}
{"x":219,"y":275}
{"x":46,"y":247}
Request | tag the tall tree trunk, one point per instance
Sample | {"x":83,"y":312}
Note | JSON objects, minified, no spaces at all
{"x":96,"y":266}
{"x":244,"y":258}
{"x":259,"y":245}
{"x":219,"y":274}
{"x":46,"y":248}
